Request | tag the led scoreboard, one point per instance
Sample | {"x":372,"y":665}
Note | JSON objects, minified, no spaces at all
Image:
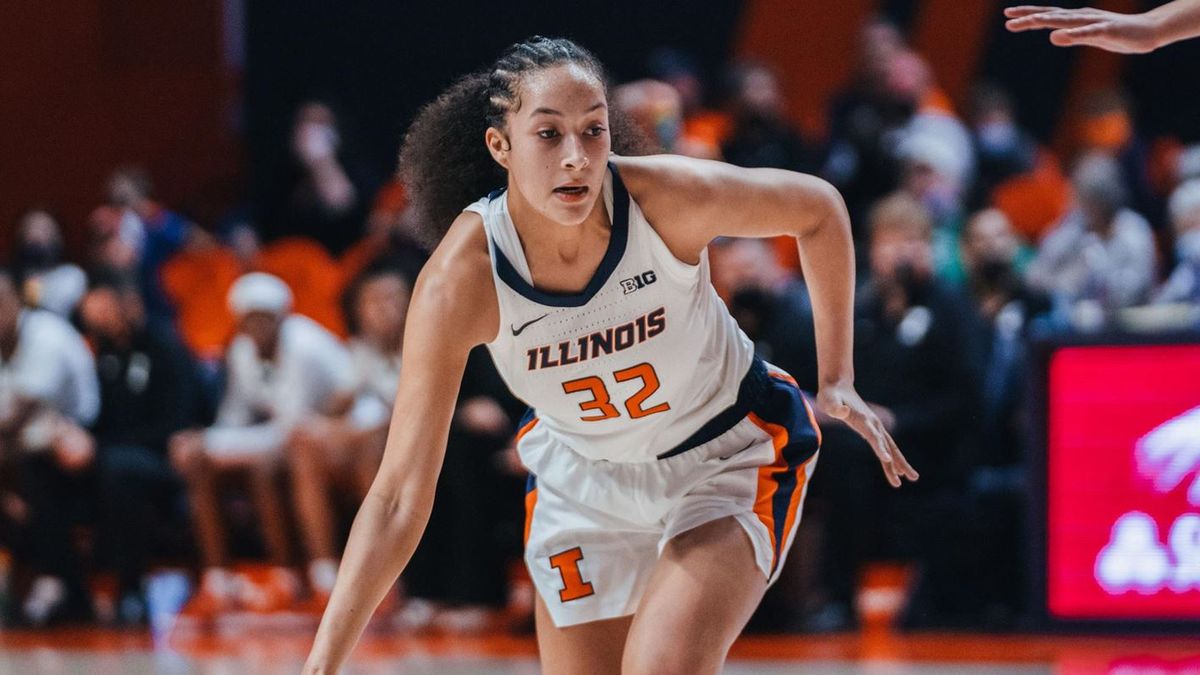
{"x":1119,"y":484}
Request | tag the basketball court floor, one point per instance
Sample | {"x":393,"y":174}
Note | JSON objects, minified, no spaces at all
{"x":872,"y":651}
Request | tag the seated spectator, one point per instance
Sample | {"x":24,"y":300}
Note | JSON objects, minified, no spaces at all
{"x":704,"y":130}
{"x":1106,"y":126}
{"x":135,"y":232}
{"x":1100,"y":257}
{"x":768,"y":302}
{"x":761,"y":135}
{"x":148,"y":391}
{"x":933,"y":175}
{"x":47,"y":281}
{"x":994,"y":257}
{"x":1004,"y":150}
{"x":863,"y":118}
{"x":657,"y":110}
{"x":342,"y":453}
{"x":913,"y":359}
{"x":909,"y":78}
{"x":280,"y":368}
{"x":1184,"y":283}
{"x":996,"y":480}
{"x":48,"y":394}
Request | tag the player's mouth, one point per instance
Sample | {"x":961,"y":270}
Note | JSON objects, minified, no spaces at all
{"x":571,"y":194}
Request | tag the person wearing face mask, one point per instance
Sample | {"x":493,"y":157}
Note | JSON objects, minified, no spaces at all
{"x":934,"y":174}
{"x":1100,"y":257}
{"x":1002,"y":148}
{"x":761,"y":136}
{"x":47,"y":282}
{"x":326,"y":193}
{"x":1184,"y":283}
{"x":148,"y":391}
{"x":1005,"y":308}
{"x":48,"y":395}
{"x":915,"y":355}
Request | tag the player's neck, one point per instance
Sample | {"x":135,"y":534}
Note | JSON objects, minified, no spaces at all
{"x":543,"y":237}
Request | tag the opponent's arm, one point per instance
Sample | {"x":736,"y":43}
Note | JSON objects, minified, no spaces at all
{"x":692,"y":202}
{"x":453,"y":309}
{"x":1112,"y":31}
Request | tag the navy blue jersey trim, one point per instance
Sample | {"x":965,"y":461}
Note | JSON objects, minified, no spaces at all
{"x":530,"y":413}
{"x":616,"y":250}
{"x":786,"y":408}
{"x":751,"y":394}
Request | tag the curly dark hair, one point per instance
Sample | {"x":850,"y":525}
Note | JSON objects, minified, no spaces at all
{"x":444,"y":163}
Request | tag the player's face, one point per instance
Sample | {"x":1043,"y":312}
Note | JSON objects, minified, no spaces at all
{"x":559,"y":142}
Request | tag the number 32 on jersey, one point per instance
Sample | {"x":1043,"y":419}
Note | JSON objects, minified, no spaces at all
{"x":600,"y":404}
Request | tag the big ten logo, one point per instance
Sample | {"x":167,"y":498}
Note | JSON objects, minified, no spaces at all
{"x":1135,"y":559}
{"x":639,"y":281}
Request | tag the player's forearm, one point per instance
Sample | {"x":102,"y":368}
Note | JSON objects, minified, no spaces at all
{"x":827,"y":254}
{"x":385,"y":533}
{"x":1175,"y":21}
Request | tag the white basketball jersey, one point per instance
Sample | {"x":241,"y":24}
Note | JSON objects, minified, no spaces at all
{"x":635,"y":363}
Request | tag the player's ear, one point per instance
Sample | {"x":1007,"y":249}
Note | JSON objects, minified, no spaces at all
{"x":498,"y":144}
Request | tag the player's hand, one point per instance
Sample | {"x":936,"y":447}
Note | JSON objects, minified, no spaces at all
{"x":843,"y":403}
{"x":1122,"y":33}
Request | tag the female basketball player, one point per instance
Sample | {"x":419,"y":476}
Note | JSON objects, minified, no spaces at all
{"x":668,"y":465}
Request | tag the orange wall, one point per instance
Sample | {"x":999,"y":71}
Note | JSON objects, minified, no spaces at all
{"x":809,"y":44}
{"x":91,"y":84}
{"x":951,"y":35}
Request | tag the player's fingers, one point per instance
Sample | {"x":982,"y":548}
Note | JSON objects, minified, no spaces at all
{"x":902,"y":464}
{"x":878,"y":439}
{"x":1080,"y":35}
{"x":1025,"y":10}
{"x":1052,"y":20}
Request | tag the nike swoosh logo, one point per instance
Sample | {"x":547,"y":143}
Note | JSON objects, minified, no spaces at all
{"x":732,"y":455}
{"x":527,"y":324}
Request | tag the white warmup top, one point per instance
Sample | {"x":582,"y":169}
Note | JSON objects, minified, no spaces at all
{"x":635,"y":363}
{"x":264,"y":400}
{"x":52,"y":367}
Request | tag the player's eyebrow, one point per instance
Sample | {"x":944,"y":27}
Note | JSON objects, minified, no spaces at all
{"x":551,"y":111}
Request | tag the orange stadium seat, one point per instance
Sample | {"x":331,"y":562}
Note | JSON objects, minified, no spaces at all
{"x":1035,"y":200}
{"x":198,"y":282}
{"x":314,"y":276}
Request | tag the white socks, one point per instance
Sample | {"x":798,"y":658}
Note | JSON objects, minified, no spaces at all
{"x":322,"y":573}
{"x":46,"y":594}
{"x":217,"y":582}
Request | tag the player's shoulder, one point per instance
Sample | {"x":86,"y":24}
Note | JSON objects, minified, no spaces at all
{"x":653,"y":176}
{"x":457,"y":279}
{"x":671,"y":188}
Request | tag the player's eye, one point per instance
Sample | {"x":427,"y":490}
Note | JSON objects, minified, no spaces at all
{"x":597,"y":130}
{"x":547,"y":133}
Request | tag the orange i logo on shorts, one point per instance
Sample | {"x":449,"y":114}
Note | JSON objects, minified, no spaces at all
{"x":567,"y":564}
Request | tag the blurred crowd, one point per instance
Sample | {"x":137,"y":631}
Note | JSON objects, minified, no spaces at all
{"x":215,"y":397}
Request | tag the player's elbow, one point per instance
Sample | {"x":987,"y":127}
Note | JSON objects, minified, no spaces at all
{"x":821,"y":203}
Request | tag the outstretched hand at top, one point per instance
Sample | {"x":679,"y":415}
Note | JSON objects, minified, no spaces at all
{"x":1122,"y":33}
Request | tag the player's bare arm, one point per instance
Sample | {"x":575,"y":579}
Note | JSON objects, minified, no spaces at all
{"x":694,"y":201}
{"x":453,"y":309}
